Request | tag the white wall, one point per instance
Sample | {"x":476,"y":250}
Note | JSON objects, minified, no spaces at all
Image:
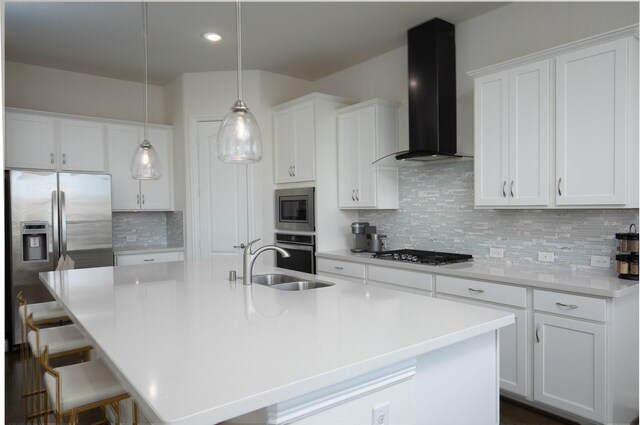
{"x":213,"y":93}
{"x":508,"y":32}
{"x":54,"y":90}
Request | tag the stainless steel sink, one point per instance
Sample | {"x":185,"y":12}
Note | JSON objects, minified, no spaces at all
{"x":284,"y":282}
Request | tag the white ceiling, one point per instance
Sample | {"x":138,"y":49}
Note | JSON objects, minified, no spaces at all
{"x":301,"y":39}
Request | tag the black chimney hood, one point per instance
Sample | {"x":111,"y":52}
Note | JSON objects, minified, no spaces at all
{"x":432,"y":92}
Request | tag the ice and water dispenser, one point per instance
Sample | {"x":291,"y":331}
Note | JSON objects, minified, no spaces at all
{"x":34,"y":240}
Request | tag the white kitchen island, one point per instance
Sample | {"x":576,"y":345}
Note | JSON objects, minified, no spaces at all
{"x":193,"y":348}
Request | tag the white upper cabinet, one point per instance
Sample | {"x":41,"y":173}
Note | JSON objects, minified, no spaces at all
{"x":82,"y":145}
{"x":512,"y":137}
{"x":367,"y":131}
{"x":584,"y":155}
{"x":591,"y":125}
{"x":128,"y":194}
{"x":46,"y":142}
{"x":294,"y":139}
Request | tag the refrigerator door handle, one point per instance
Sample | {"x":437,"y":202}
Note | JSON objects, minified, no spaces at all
{"x":63,"y":224}
{"x":54,"y":225}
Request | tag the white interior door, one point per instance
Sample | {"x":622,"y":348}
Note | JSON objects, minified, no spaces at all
{"x":223,"y":217}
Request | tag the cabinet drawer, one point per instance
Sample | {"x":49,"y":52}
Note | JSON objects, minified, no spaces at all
{"x":155,"y":257}
{"x":485,"y":291}
{"x":341,"y":267}
{"x":408,"y":278}
{"x":570,"y":305}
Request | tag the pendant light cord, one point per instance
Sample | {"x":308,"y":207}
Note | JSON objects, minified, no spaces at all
{"x":146,"y":80}
{"x":239,"y":47}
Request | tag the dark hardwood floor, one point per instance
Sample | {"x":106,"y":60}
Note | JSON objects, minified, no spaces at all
{"x":510,"y":413}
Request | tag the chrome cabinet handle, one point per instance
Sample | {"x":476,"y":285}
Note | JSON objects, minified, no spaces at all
{"x":64,"y":158}
{"x":353,"y":194}
{"x":537,"y":332}
{"x":53,"y":157}
{"x":138,"y":199}
{"x":338,"y":268}
{"x":242,"y":245}
{"x":511,"y":188}
{"x":559,"y":189}
{"x":570,"y":306}
{"x":357,"y":194}
{"x":476,"y":291}
{"x":143,"y":198}
{"x":294,"y":171}
{"x":504,"y":184}
{"x":149,"y":259}
{"x":290,"y":175}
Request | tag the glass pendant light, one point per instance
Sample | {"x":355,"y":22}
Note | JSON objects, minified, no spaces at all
{"x":145,"y":164}
{"x":239,"y":139}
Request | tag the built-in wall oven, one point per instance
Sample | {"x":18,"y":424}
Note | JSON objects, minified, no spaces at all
{"x":302,"y":249}
{"x":294,"y":209}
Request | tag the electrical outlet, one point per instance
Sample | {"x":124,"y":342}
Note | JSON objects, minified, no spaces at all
{"x":132,"y":238}
{"x":600,"y":261}
{"x":496,"y":252}
{"x":545,"y":256}
{"x":380,"y":414}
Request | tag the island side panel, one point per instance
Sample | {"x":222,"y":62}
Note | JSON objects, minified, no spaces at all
{"x":459,"y":384}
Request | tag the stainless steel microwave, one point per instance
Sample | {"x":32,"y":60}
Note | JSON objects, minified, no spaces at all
{"x":294,"y":209}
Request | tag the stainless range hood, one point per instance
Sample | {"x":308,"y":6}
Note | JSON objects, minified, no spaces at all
{"x":432,"y":94}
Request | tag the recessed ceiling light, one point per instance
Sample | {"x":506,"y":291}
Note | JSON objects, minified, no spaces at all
{"x":212,"y":36}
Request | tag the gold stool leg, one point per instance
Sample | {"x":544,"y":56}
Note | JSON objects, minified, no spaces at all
{"x":134,"y":408}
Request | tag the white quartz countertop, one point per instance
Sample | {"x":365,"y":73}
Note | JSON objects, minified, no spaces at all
{"x":192,"y":347}
{"x":578,"y":282}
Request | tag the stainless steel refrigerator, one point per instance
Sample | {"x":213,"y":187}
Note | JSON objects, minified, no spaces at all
{"x":48,"y":214}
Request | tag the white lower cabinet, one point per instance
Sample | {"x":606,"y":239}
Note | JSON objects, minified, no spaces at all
{"x":152,"y":257}
{"x":570,"y":367}
{"x":513,"y":338}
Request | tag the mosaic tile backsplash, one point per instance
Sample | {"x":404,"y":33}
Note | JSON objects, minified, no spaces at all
{"x":154,"y":229}
{"x":436,"y":213}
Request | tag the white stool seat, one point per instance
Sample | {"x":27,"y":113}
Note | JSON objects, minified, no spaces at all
{"x":82,"y":384}
{"x":59,"y":339}
{"x":42,"y":311}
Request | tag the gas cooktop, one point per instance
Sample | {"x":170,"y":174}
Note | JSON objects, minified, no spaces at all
{"x":425,"y":257}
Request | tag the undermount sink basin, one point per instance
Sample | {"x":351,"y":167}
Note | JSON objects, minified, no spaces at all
{"x":284,"y":282}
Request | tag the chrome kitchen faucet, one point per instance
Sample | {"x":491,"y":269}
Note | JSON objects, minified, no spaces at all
{"x":249,"y":258}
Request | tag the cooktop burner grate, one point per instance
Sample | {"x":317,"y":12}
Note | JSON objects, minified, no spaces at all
{"x":425,"y":257}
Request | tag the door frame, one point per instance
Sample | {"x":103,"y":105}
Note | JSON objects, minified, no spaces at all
{"x":193,"y":199}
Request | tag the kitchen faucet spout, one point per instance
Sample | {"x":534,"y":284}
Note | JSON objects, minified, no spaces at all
{"x":249,"y":258}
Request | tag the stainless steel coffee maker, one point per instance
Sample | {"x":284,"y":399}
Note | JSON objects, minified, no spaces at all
{"x":359,"y":236}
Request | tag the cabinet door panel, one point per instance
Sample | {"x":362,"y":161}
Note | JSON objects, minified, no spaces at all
{"x":570,"y":365}
{"x":491,"y":129}
{"x":529,"y":134}
{"x":347,"y":159}
{"x":305,"y":142}
{"x":30,"y":141}
{"x":366,"y":188}
{"x":82,"y":145}
{"x":591,"y":132}
{"x":513,"y":347}
{"x":157,"y":194}
{"x":284,"y":142}
{"x":125,"y":191}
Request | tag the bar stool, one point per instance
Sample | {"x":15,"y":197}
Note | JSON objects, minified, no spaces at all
{"x":46,"y":313}
{"x":81,"y":387}
{"x":61,"y":341}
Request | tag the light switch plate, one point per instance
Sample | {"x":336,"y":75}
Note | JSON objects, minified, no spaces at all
{"x":545,"y":256}
{"x":380,"y":414}
{"x":496,"y":252}
{"x":600,"y":261}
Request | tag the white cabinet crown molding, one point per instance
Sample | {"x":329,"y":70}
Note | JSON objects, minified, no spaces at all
{"x":631,"y":30}
{"x":367,"y":103}
{"x":311,"y":96}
